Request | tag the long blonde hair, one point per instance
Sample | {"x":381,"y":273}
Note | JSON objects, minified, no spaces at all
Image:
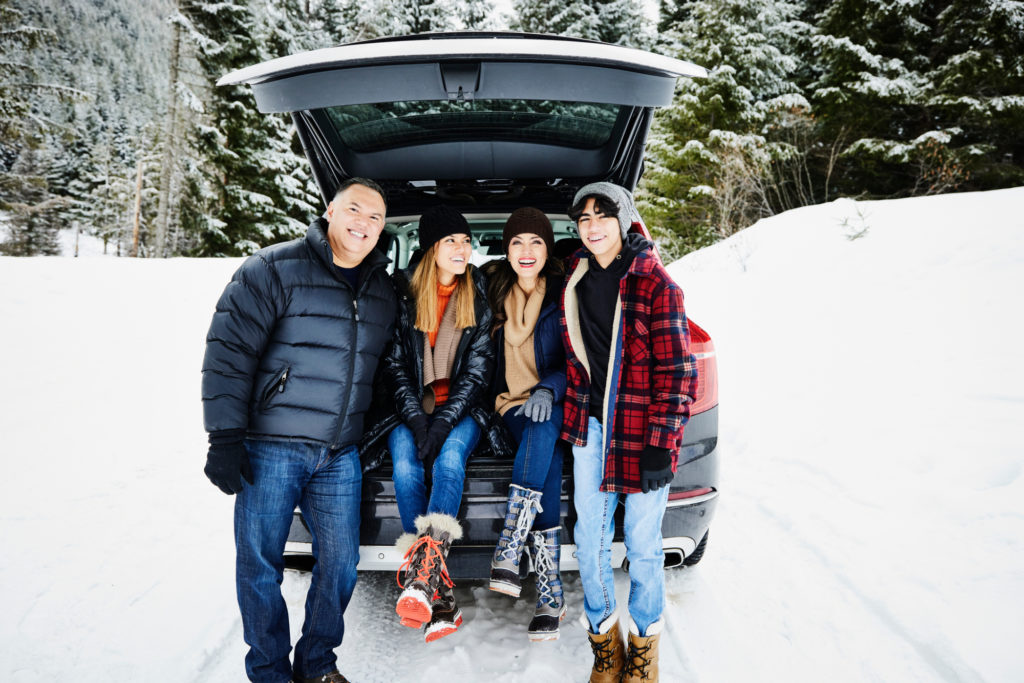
{"x":424,"y":291}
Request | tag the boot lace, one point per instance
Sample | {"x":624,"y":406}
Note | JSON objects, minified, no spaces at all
{"x":522,"y":529}
{"x":544,"y":564}
{"x":429,"y":548}
{"x":603,"y":653}
{"x":638,"y":653}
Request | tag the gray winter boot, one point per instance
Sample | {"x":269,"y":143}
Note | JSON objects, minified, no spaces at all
{"x":424,"y":568}
{"x":545,"y":550}
{"x":523,"y":506}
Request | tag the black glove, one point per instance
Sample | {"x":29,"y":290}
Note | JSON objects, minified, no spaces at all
{"x":417,"y":424}
{"x":655,"y":468}
{"x":436,"y":435}
{"x":227,"y":461}
{"x":538,"y":406}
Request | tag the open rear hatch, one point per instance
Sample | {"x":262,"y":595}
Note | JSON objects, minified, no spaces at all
{"x":483,"y":121}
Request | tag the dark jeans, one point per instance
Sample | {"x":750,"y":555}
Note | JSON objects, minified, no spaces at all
{"x":326,"y":486}
{"x":538,"y":463}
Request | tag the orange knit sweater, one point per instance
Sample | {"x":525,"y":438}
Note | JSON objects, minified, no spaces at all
{"x":444,"y":295}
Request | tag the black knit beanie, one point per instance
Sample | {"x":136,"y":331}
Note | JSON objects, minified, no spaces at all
{"x":438,"y":222}
{"x":529,"y":219}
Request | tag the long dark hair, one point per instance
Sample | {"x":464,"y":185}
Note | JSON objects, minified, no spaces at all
{"x":500,"y":278}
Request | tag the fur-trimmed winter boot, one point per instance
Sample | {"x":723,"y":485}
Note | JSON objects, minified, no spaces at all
{"x":424,"y":569}
{"x":523,"y":506}
{"x":642,"y":657}
{"x":609,"y":652}
{"x":403,"y":544}
{"x":545,"y":549}
{"x":446,"y":616}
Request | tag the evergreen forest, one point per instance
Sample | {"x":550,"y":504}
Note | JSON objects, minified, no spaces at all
{"x":111,"y":126}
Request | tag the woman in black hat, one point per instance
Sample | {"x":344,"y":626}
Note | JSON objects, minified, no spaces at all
{"x":528,"y":389}
{"x":439,"y":368}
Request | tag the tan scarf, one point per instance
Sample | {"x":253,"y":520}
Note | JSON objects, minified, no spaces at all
{"x":439,"y":360}
{"x":521,"y":375}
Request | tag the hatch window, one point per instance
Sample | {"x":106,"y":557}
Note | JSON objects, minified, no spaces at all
{"x":376,"y":127}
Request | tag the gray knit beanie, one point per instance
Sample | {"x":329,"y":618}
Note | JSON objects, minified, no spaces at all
{"x":617,"y":194}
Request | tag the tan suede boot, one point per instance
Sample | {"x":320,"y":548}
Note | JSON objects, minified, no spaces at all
{"x":609,"y":652}
{"x":642,"y":658}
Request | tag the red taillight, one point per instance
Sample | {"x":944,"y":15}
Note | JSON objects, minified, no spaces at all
{"x":683,"y":495}
{"x":703,"y":348}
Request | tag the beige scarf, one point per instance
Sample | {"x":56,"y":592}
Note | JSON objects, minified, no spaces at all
{"x":438,"y":361}
{"x":521,"y":314}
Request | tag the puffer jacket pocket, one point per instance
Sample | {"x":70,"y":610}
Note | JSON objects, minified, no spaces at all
{"x":274,"y":387}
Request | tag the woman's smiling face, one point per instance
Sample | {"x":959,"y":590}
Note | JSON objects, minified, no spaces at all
{"x":527,"y":253}
{"x":452,"y":256}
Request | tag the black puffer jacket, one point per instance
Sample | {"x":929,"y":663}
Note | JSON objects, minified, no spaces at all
{"x":292,"y":350}
{"x":471,"y":373}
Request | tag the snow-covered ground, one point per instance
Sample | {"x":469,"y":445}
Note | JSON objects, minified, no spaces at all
{"x":871,"y":525}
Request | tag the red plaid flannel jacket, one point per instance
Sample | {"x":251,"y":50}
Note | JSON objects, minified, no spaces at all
{"x":652,"y":376}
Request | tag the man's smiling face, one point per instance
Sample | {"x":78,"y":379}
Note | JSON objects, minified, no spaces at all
{"x":355,"y":220}
{"x":599,"y":232}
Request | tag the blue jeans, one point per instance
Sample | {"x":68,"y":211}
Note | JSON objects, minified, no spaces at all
{"x":595,"y":527}
{"x":538,"y":464}
{"x":448,"y":475}
{"x":326,"y":485}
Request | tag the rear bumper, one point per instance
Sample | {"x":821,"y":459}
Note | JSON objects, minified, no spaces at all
{"x":469,"y":562}
{"x":683,"y":526}
{"x":483,"y":510}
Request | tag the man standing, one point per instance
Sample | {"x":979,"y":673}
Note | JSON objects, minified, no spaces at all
{"x":287,"y":378}
{"x":630,"y":381}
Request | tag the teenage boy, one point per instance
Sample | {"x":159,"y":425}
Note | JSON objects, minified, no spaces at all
{"x":631,"y":380}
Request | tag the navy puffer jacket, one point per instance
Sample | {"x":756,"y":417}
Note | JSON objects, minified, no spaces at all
{"x":292,"y":350}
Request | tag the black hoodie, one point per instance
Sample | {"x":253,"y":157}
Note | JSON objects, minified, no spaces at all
{"x":598,"y":292}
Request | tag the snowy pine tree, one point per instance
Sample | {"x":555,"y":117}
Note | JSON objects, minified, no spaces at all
{"x":248,"y":160}
{"x":27,"y":161}
{"x":36,"y":214}
{"x":868,"y":84}
{"x":924,"y":95}
{"x":478,"y":15}
{"x":709,"y":166}
{"x":111,"y":197}
{"x":623,"y":22}
{"x":977,"y":92}
{"x":611,"y":21}
{"x":671,"y":13}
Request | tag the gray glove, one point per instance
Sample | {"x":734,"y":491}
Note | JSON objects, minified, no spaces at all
{"x":538,"y":406}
